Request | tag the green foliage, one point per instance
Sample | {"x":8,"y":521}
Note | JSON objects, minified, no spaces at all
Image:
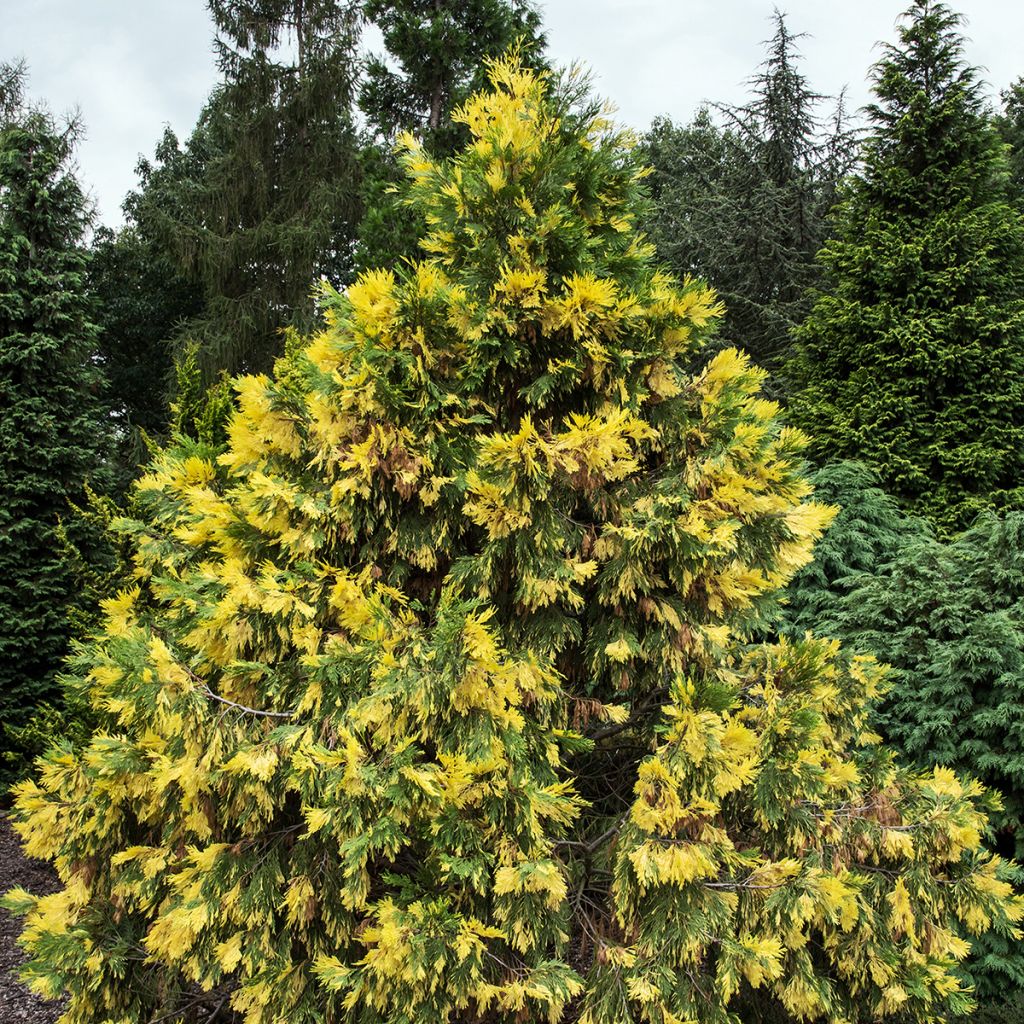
{"x":912,"y":360}
{"x":869,"y":531}
{"x":1004,"y":1010}
{"x":1011,"y":127}
{"x":200,"y":411}
{"x":436,"y":54}
{"x":53,"y":431}
{"x":142,"y":300}
{"x":949,"y":620}
{"x":263,"y":198}
{"x":429,"y":700}
{"x":742,"y":198}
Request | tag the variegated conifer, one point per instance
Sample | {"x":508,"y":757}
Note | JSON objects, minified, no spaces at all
{"x":429,"y":701}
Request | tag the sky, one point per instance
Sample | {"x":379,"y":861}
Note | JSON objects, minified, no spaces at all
{"x":132,"y":66}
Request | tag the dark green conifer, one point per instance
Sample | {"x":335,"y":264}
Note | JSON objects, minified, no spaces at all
{"x":868,"y":533}
{"x":949,"y":620}
{"x":912,"y":360}
{"x":53,"y":430}
{"x":264,"y":197}
{"x":1010,"y":123}
{"x":741,"y":195}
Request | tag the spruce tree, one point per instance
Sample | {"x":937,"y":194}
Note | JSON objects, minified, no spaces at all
{"x":741,"y":196}
{"x":435,"y":54}
{"x":912,"y":359}
{"x":53,"y":431}
{"x":268,"y":194}
{"x":428,"y":700}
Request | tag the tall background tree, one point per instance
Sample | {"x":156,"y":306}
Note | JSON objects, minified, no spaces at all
{"x":436,"y":51}
{"x":912,"y":359}
{"x":54,"y":431}
{"x":263,"y":198}
{"x":741,"y":196}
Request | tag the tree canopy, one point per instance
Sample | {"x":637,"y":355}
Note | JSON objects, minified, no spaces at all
{"x":741,"y":197}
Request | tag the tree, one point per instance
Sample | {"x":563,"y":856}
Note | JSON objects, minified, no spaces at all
{"x":742,"y":199}
{"x":912,"y":359}
{"x":428,"y":701}
{"x":142,"y":303}
{"x":436,"y":54}
{"x":54,"y":433}
{"x":263,"y":199}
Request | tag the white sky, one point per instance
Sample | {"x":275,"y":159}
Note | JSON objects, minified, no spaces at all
{"x":132,"y":66}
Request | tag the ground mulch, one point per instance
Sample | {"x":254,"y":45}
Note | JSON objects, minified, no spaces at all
{"x":17,"y":1004}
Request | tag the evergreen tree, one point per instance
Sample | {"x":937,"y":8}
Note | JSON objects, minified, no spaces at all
{"x":913,"y":359}
{"x":742,"y":199}
{"x":142,"y":303}
{"x":481,"y":548}
{"x":436,"y":52}
{"x":53,"y":431}
{"x":264,"y":197}
{"x":949,"y":620}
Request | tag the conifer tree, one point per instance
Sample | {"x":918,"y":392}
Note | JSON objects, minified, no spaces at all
{"x":428,"y":701}
{"x":269,"y":197}
{"x":142,"y":303}
{"x":912,"y":359}
{"x":435,"y":57}
{"x":53,"y":432}
{"x":741,"y":196}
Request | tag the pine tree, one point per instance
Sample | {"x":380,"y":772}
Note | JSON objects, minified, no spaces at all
{"x":429,"y":702}
{"x":742,"y":198}
{"x":264,"y":197}
{"x":912,"y":360}
{"x":53,"y":431}
{"x":435,"y":57}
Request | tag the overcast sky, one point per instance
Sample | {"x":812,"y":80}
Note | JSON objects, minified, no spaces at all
{"x":131,"y":66}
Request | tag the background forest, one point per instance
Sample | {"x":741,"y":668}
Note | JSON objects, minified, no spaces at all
{"x":871,"y":263}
